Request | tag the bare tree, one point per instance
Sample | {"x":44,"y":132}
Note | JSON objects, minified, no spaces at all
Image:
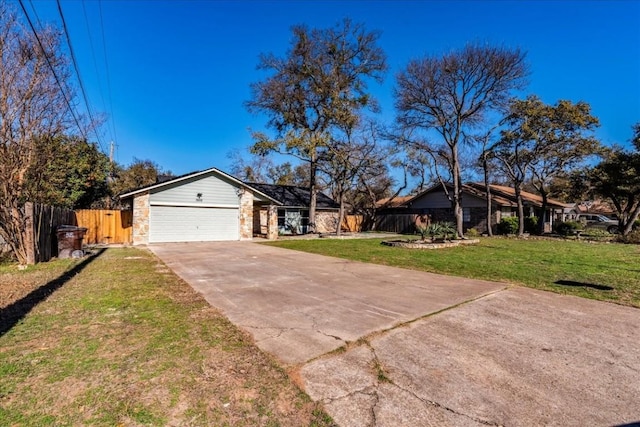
{"x":320,"y":84}
{"x":34,"y":103}
{"x":455,"y":93}
{"x":356,"y":158}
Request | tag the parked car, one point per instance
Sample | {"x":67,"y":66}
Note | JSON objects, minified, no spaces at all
{"x":600,"y":222}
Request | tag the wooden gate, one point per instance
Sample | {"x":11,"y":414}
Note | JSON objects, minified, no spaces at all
{"x":106,"y":226}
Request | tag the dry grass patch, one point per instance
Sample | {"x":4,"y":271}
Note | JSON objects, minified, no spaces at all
{"x":120,"y":340}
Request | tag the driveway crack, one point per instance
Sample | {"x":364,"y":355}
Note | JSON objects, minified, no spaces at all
{"x":446,"y":408}
{"x":382,"y":376}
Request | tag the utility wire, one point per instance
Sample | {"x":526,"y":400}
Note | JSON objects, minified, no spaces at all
{"x":55,"y":75}
{"x":106,"y":66}
{"x":95,"y":61}
{"x":75,"y":66}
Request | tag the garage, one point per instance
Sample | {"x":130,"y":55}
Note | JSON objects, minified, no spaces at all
{"x":193,"y":224}
{"x":204,"y":206}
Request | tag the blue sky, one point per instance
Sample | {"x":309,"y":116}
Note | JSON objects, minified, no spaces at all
{"x":179,"y":71}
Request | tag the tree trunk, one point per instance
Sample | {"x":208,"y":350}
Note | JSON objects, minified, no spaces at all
{"x":313,"y":194}
{"x":340,"y":215}
{"x":14,"y":233}
{"x":518,"y":191}
{"x":628,"y":227}
{"x":545,"y":204}
{"x":457,"y":193}
{"x":487,"y":186}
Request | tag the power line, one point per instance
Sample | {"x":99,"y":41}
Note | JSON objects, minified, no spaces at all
{"x":75,"y":66}
{"x":106,"y":66}
{"x":53,"y":71}
{"x":95,"y":61}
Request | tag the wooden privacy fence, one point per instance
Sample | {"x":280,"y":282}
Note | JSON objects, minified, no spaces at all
{"x":396,"y":223}
{"x":41,"y":224}
{"x":106,"y":226}
{"x":353,"y":223}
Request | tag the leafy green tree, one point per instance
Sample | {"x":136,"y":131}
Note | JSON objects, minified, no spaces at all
{"x":319,"y":85}
{"x":564,"y":141}
{"x":67,"y":172}
{"x":138,"y":174}
{"x":542,"y":142}
{"x":617,"y":178}
{"x":452,"y":95}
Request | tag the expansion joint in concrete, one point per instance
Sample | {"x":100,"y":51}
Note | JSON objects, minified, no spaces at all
{"x":435,"y":313}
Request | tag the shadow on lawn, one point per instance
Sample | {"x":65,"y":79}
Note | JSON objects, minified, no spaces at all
{"x":583,"y":285}
{"x":14,"y":312}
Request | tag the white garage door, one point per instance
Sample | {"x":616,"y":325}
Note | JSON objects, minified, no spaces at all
{"x":190,"y":224}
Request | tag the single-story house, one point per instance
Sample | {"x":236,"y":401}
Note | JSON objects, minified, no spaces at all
{"x":293,"y":210}
{"x":433,"y":205}
{"x":208,"y":205}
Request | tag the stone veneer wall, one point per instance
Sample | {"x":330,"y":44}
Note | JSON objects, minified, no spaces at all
{"x":326,"y":221}
{"x":141,"y":219}
{"x":246,"y":215}
{"x":271,"y":215}
{"x":258,"y":229}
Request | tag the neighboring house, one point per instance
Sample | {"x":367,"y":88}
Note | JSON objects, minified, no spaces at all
{"x":212,"y":205}
{"x":532,"y":204}
{"x":570,"y":212}
{"x":208,"y":205}
{"x":392,"y":202}
{"x":433,"y":205}
{"x":293,"y":210}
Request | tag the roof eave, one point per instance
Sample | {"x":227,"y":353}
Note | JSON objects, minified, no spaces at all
{"x":196,"y":174}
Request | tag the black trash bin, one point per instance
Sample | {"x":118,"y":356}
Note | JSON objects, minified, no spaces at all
{"x":70,"y":241}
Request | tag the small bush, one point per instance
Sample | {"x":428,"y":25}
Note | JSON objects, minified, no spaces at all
{"x":508,"y":225}
{"x":473,"y":232}
{"x":596,"y":234}
{"x":632,"y":238}
{"x":568,"y":228}
{"x":443,"y":230}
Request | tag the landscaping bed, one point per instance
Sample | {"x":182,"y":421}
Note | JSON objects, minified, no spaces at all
{"x":426,"y":244}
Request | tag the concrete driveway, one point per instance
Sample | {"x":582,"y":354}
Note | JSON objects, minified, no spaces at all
{"x":423,"y":349}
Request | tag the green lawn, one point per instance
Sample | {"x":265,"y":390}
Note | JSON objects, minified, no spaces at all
{"x":603,"y":271}
{"x":119,"y":340}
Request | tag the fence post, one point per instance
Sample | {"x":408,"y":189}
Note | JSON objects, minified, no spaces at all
{"x":29,"y":233}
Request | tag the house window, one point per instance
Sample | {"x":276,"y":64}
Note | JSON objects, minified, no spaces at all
{"x":505,"y":211}
{"x":466,"y":214}
{"x":293,"y":221}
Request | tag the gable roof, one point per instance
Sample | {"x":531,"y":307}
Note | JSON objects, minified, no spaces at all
{"x":293,"y":196}
{"x":393,"y":202}
{"x":190,"y":175}
{"x":501,"y":195}
{"x":510,"y":193}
